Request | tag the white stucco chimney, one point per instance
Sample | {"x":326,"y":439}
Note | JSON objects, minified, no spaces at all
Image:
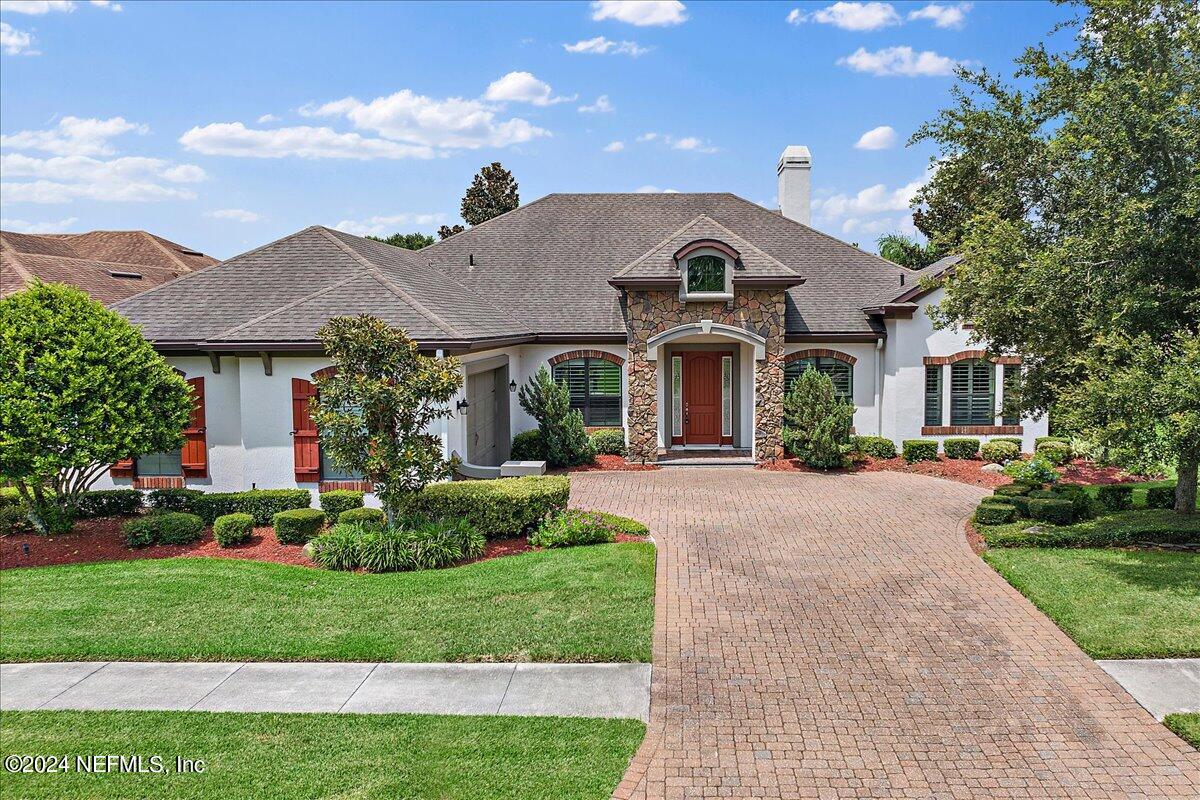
{"x":795,"y":183}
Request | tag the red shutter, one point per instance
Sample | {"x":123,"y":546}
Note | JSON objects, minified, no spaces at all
{"x":121,"y":469}
{"x":304,"y":432}
{"x":195,"y":447}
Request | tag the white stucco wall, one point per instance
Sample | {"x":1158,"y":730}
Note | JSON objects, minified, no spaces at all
{"x":866,"y":416}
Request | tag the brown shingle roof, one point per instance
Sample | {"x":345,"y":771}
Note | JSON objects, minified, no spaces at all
{"x":102,"y":263}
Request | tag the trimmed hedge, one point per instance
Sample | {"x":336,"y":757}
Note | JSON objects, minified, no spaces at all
{"x":608,"y":441}
{"x":1038,"y":441}
{"x":630,"y":527}
{"x":335,"y":502}
{"x":371,"y":517}
{"x":110,"y":503}
{"x":232,"y":529}
{"x":1017,"y":440}
{"x":262,"y":504}
{"x":875,"y":446}
{"x":298,"y":525}
{"x":961,"y":447}
{"x":174,"y":499}
{"x":528,"y":446}
{"x":1115,"y":497}
{"x":1129,"y":528}
{"x":995,"y":513}
{"x":1055,"y":511}
{"x":1082,"y":503}
{"x":167,"y":527}
{"x":503,"y":507}
{"x":998,"y":452}
{"x":920,"y":450}
{"x":1014,"y":489}
{"x":1057,"y":453}
{"x":571,"y":529}
{"x":1160,"y":497}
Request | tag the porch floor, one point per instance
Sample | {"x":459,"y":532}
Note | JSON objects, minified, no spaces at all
{"x":687,"y":457}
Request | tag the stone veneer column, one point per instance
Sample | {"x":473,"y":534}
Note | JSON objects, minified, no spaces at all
{"x":642,"y":410}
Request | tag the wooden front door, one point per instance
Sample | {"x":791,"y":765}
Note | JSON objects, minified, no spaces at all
{"x":701,"y":397}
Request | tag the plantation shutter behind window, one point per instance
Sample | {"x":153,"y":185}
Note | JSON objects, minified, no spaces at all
{"x":839,"y":372}
{"x":933,"y":394}
{"x":304,"y":433}
{"x":195,"y":447}
{"x":972,"y":393}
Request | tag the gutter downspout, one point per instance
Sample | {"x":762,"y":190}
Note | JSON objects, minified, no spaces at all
{"x":879,"y":387}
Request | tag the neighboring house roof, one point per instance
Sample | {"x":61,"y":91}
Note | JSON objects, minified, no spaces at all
{"x":284,"y":291}
{"x":917,"y":286}
{"x":108,"y":265}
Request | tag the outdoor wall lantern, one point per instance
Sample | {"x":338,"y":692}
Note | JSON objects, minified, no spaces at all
{"x":462,"y":407}
{"x":512,"y":386}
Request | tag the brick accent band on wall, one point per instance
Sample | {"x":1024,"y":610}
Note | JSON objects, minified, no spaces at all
{"x":814,"y":352}
{"x":159,"y":482}
{"x":354,"y":486}
{"x":325,"y":372}
{"x":971,"y":355}
{"x":972,"y":430}
{"x":602,"y":354}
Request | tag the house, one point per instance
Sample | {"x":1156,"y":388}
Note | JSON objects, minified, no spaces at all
{"x":680,"y":317}
{"x":108,"y":265}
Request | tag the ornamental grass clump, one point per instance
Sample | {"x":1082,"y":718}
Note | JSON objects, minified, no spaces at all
{"x":415,"y":545}
{"x":816,"y":422}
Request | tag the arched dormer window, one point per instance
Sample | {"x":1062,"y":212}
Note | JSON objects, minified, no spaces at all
{"x":705,"y":273}
{"x":707,"y":270}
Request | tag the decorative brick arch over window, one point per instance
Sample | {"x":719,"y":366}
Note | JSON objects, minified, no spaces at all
{"x":601,"y":354}
{"x":971,"y":355}
{"x":326,"y":372}
{"x":820,"y":352}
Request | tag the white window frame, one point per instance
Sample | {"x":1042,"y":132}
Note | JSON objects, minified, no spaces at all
{"x":698,"y":297}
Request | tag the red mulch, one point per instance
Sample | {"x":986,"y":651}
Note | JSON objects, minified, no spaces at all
{"x":610,"y":464}
{"x":1085,"y":472}
{"x":796,"y":465}
{"x":961,"y":470}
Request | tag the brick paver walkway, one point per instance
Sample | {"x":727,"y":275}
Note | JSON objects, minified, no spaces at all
{"x":834,"y":636}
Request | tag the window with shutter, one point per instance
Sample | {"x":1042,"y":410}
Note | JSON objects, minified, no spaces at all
{"x":841,"y":373}
{"x":595,"y":388}
{"x":972,"y":393}
{"x":194,"y":456}
{"x":933,"y":394}
{"x":306,"y":450}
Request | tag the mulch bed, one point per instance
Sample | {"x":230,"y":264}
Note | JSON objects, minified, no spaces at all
{"x":609,"y":464}
{"x":1086,"y":473}
{"x":955,"y":469}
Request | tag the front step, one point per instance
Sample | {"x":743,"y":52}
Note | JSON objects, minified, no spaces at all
{"x":705,"y":458}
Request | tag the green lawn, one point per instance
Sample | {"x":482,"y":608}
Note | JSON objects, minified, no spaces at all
{"x":326,"y":755}
{"x":1113,"y":603}
{"x":1187,"y":726}
{"x":575,"y":604}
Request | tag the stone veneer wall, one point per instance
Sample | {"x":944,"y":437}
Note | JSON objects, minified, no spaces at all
{"x":650,"y":312}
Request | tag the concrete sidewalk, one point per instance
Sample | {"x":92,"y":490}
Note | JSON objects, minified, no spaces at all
{"x":561,"y":690}
{"x":1162,"y":685}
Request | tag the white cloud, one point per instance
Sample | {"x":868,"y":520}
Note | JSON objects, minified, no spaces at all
{"x":235,"y":214}
{"x":22,"y":226}
{"x":652,"y":189}
{"x":850,"y":16}
{"x":871,"y":229}
{"x":874,"y":199}
{"x":690,"y":143}
{"x":235,"y":139}
{"x":65,"y":178}
{"x":943,"y":16}
{"x":881,"y":138}
{"x":451,"y":123}
{"x":601,"y":106}
{"x":614,"y":147}
{"x":384,"y":225}
{"x":107,"y":5}
{"x":74,"y":137}
{"x":641,"y":12}
{"x":899,"y":61}
{"x":36,"y":7}
{"x":265,"y":118}
{"x":603,"y":46}
{"x":16,"y":42}
{"x":522,"y":87}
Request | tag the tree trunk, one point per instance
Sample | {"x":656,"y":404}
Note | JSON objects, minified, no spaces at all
{"x":1185,"y":489}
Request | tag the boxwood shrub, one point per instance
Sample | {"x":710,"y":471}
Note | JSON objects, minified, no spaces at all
{"x":110,"y":503}
{"x":608,"y":441}
{"x":1160,"y":497}
{"x":1017,"y":440}
{"x":528,"y":446}
{"x":174,"y":499}
{"x":920,"y":450}
{"x":1115,"y":497}
{"x":335,"y":502}
{"x":1082,"y":502}
{"x":1056,"y":453}
{"x":995,"y":513}
{"x":1129,"y":528}
{"x":998,"y":452}
{"x":961,"y":447}
{"x":503,"y":507}
{"x":371,"y":517}
{"x":875,"y":446}
{"x":232,"y":529}
{"x":262,"y":504}
{"x":1010,"y":489}
{"x":1055,"y":511}
{"x":167,"y":527}
{"x":571,"y":528}
{"x":298,"y":525}
{"x":1038,"y":441}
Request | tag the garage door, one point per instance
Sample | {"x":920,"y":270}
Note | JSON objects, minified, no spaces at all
{"x":485,"y":424}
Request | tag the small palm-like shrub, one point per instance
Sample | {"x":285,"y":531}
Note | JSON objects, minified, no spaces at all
{"x":528,"y":446}
{"x":1056,"y":453}
{"x":995,"y":513}
{"x":168,"y":527}
{"x":608,"y":441}
{"x":370,"y":517}
{"x":571,"y":528}
{"x":335,"y":502}
{"x":1115,"y":497}
{"x":1160,"y":497}
{"x":875,"y":446}
{"x":919,"y":450}
{"x":961,"y":447}
{"x":816,"y":422}
{"x":1036,"y":470}
{"x":1054,"y":511}
{"x":232,"y":529}
{"x":110,"y":503}
{"x":298,"y":525}
{"x":999,"y":452}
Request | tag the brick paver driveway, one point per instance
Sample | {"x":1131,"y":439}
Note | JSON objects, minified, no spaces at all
{"x":834,"y":636}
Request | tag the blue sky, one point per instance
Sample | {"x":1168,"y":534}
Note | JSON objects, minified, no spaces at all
{"x":226,"y":125}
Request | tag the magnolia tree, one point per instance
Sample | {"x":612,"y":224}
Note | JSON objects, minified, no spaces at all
{"x":376,"y":410}
{"x":80,"y":390}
